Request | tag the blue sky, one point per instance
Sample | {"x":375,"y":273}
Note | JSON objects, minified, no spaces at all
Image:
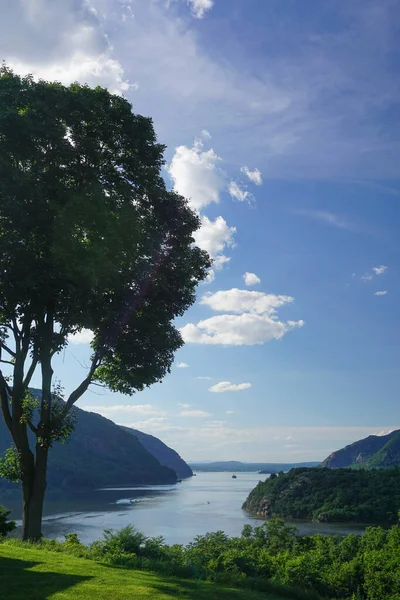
{"x":281,"y":121}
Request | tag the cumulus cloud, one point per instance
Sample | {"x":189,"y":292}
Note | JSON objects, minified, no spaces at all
{"x":196,"y":174}
{"x":240,"y":301}
{"x":381,"y":293}
{"x":84,"y":336}
{"x":182,"y":365}
{"x":379,"y":270}
{"x":200,"y":7}
{"x":62,"y":41}
{"x":254,"y":320}
{"x":237,"y":330}
{"x":215,"y":237}
{"x":254,"y":176}
{"x":251,"y":279}
{"x":238,"y":193}
{"x":227,"y":386}
{"x":194,"y":413}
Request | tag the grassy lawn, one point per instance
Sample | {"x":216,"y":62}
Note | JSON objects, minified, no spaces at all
{"x":30,"y":574}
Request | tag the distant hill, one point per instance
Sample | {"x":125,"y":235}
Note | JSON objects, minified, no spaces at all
{"x":372,"y":452}
{"x":101,"y":453}
{"x":243,"y":467}
{"x":165,"y":455}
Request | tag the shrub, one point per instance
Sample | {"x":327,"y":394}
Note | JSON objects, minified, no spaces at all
{"x":5,"y":526}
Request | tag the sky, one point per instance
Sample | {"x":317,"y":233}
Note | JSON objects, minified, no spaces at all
{"x":281,"y":120}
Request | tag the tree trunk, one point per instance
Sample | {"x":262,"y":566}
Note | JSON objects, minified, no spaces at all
{"x":33,"y":491}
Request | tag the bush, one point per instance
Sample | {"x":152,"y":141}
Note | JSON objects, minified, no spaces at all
{"x":5,"y":526}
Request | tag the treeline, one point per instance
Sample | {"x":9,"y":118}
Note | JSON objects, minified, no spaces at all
{"x":269,"y":558}
{"x":329,"y":495}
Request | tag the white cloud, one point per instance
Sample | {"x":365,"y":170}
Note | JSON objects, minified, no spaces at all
{"x":254,"y":321}
{"x":207,"y":378}
{"x":84,"y":336}
{"x":194,"y":413}
{"x":62,"y":41}
{"x":227,"y":386}
{"x":381,"y":293}
{"x":254,"y":176}
{"x":214,"y":237}
{"x":229,"y":412}
{"x":139,"y":409}
{"x":200,"y":7}
{"x":251,"y":279}
{"x":196,"y":174}
{"x":182,"y":365}
{"x":210,"y":276}
{"x":240,"y":301}
{"x":376,"y":272}
{"x":237,"y":330}
{"x":184,"y":405}
{"x":379,"y":270}
{"x":237,"y":192}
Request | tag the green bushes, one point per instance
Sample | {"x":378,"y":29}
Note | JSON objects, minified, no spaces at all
{"x":5,"y":526}
{"x":270,"y":558}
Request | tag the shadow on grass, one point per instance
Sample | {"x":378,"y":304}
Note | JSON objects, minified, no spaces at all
{"x":18,"y":583}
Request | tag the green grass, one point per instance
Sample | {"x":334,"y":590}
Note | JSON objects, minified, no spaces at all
{"x":27,"y":573}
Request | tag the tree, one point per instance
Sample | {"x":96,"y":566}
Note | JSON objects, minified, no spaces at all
{"x":90,"y":238}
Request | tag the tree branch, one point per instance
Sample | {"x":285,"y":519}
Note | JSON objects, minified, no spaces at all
{"x":7,"y":362}
{"x":30,"y":373}
{"x":7,"y":349}
{"x":5,"y":407}
{"x":32,"y":427}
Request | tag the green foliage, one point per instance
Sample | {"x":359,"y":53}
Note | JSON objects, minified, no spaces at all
{"x":329,"y":495}
{"x":269,"y":558}
{"x":5,"y":526}
{"x":10,"y":465}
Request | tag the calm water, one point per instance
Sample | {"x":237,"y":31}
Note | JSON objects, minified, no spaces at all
{"x":207,"y":502}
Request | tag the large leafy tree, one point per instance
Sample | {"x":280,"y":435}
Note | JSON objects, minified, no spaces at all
{"x":89,"y":238}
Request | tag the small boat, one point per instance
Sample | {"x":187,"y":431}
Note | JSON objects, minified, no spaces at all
{"x":234,"y":477}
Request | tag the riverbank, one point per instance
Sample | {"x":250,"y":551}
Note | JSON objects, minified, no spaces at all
{"x":207,"y":502}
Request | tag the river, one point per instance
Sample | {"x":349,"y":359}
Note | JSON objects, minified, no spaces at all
{"x":207,"y":502}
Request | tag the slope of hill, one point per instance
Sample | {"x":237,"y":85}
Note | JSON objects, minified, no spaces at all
{"x":99,"y":453}
{"x":372,"y":452}
{"x":163,"y":453}
{"x":329,"y":496}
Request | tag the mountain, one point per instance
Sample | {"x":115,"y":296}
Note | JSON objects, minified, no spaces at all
{"x":165,"y":455}
{"x":372,"y":452}
{"x":243,"y":467}
{"x":98,"y":453}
